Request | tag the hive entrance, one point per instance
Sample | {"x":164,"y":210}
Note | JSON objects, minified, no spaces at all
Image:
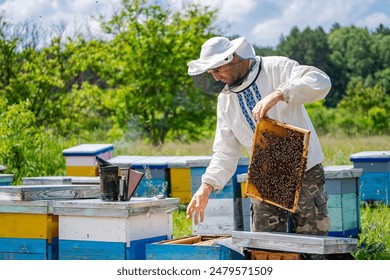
{"x":277,"y":163}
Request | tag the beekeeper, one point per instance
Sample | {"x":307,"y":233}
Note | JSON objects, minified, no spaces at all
{"x":251,"y":87}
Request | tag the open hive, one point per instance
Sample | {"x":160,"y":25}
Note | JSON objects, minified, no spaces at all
{"x":277,"y":163}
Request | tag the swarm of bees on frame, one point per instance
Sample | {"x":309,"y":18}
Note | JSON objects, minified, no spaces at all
{"x":276,"y":167}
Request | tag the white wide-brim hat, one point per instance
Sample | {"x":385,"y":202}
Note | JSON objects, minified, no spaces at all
{"x":216,"y":52}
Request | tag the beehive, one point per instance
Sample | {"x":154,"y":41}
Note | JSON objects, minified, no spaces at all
{"x":375,"y":181}
{"x":277,"y":163}
{"x":81,"y":160}
{"x":245,"y":201}
{"x":28,"y":231}
{"x":223,"y":213}
{"x":92,"y":229}
{"x":180,"y":177}
{"x":341,"y":184}
{"x":196,"y":247}
{"x":6,"y":179}
{"x":156,"y":180}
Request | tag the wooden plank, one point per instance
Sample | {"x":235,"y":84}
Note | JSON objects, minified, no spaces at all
{"x":99,"y":208}
{"x":85,"y":180}
{"x":47,"y":180}
{"x":342,"y":171}
{"x":267,"y":255}
{"x":182,"y":250}
{"x":30,"y":207}
{"x":298,"y":243}
{"x":25,"y":225}
{"x":91,"y":250}
{"x":48,"y":192}
{"x":23,"y":246}
{"x":185,"y":240}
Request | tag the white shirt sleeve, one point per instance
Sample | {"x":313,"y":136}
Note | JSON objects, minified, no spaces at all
{"x":303,"y":84}
{"x":226,"y":154}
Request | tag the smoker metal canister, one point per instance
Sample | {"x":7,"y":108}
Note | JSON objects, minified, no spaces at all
{"x":109,"y":183}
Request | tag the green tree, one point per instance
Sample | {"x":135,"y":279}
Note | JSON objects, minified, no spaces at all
{"x":9,"y":60}
{"x":353,"y":54}
{"x":25,"y":148}
{"x":308,"y":47}
{"x":311,"y":47}
{"x":147,"y":70}
{"x":364,"y":110}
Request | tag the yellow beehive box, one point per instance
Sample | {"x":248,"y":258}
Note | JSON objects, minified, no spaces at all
{"x":81,"y":160}
{"x":29,"y":230}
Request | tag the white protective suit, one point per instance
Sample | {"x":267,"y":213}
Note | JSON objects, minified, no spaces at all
{"x":300,"y":84}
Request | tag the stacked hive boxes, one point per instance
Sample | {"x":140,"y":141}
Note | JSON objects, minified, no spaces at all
{"x":180,"y":174}
{"x":95,"y":229}
{"x":375,"y":181}
{"x":342,"y":186}
{"x":81,"y":159}
{"x":28,"y":231}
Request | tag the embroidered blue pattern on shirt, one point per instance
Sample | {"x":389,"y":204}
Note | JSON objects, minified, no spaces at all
{"x":247,"y":100}
{"x":257,"y":92}
{"x":244,"y":111}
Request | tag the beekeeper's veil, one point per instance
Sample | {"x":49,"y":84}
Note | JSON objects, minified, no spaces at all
{"x":216,"y":52}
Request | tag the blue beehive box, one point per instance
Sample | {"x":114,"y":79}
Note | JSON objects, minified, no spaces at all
{"x":6,"y":179}
{"x":246,"y":202}
{"x":375,"y":181}
{"x":197,"y":247}
{"x":156,"y":180}
{"x":224,"y":209}
{"x":342,"y":186}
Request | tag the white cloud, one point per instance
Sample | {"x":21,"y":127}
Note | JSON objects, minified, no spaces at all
{"x":304,"y":14}
{"x":372,"y":21}
{"x":235,"y":11}
{"x":261,"y":21}
{"x":74,"y":13}
{"x":228,"y":10}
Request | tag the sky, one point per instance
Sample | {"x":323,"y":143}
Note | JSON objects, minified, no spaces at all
{"x":262,"y":22}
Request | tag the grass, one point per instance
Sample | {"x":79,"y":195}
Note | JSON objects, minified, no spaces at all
{"x":374,"y":239}
{"x":181,"y":226}
{"x":337,"y":150}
